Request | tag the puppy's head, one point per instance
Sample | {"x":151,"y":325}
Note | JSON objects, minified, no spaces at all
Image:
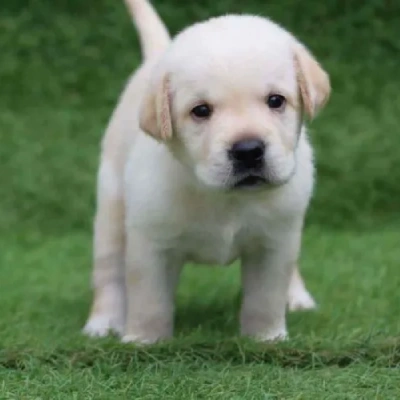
{"x":228,"y":100}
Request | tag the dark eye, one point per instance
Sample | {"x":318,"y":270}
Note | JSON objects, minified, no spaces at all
{"x":202,"y":111}
{"x":276,"y":101}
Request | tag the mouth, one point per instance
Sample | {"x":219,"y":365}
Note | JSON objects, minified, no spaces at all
{"x":250,"y":181}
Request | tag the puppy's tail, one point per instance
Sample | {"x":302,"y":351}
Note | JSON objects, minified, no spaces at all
{"x":153,"y":35}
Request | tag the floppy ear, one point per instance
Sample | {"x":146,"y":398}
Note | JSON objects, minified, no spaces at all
{"x":314,"y":83}
{"x":155,"y":112}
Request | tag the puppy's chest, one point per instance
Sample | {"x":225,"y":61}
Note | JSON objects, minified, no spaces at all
{"x":217,"y":241}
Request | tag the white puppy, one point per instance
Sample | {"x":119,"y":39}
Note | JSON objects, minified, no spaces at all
{"x":206,"y":159}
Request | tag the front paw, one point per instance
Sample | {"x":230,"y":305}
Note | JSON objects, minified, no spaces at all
{"x":148,"y":331}
{"x":263,"y":329}
{"x":138,"y":339}
{"x":102,"y":324}
{"x":272,"y":336}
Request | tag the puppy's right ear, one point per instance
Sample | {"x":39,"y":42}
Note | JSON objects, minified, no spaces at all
{"x":155,"y":111}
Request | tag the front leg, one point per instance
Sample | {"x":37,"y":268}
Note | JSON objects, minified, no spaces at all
{"x":151,"y":280}
{"x":266,"y":276}
{"x":107,"y":312}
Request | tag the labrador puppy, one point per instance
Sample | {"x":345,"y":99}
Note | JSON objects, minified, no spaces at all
{"x":206,"y":159}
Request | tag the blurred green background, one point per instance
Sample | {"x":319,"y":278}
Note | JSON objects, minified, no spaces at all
{"x":64,"y":63}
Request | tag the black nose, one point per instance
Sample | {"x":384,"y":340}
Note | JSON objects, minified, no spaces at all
{"x":248,"y":153}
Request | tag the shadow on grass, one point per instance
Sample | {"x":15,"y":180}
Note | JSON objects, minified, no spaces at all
{"x":204,"y":334}
{"x":385,"y":354}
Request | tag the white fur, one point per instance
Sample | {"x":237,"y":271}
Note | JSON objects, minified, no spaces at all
{"x":163,"y":203}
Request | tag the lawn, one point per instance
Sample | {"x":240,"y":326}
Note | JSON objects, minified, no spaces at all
{"x":62,"y":67}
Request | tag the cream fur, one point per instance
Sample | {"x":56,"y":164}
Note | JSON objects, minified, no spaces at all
{"x":164,"y":180}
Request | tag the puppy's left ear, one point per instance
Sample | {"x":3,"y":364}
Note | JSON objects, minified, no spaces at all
{"x":314,"y":83}
{"x":155,"y":111}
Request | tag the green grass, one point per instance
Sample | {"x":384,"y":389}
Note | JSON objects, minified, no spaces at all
{"x":62,"y":67}
{"x":348,"y":349}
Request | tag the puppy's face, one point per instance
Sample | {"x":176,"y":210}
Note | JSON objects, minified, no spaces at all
{"x":237,"y":120}
{"x":231,"y":101}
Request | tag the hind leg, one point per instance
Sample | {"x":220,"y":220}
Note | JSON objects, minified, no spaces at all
{"x":298,"y":296}
{"x":108,"y":309}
